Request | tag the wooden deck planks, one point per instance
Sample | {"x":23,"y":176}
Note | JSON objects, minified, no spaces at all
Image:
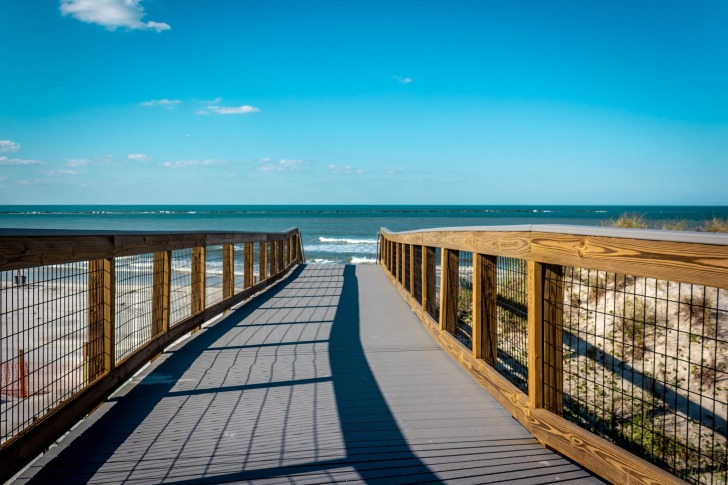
{"x":325,"y":378}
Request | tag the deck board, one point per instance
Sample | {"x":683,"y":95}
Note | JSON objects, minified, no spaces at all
{"x":327,"y":377}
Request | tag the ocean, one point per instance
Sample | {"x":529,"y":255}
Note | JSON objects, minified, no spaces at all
{"x":332,"y":233}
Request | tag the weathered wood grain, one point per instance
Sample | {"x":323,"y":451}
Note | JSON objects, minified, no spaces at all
{"x":160,"y":292}
{"x":26,"y":251}
{"x":680,"y":262}
{"x":198,"y":280}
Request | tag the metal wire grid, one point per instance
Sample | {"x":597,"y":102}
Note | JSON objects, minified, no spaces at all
{"x":238,"y":268}
{"x":417,"y":291}
{"x":43,"y":333}
{"x":433,"y":304}
{"x":512,"y":320}
{"x":133,"y":325}
{"x":213,"y":275}
{"x":180,"y":289}
{"x":645,"y":365}
{"x":407,"y":269}
{"x":464,"y":320}
{"x":256,"y":263}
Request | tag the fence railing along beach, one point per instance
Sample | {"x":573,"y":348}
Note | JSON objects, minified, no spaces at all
{"x":81,"y":313}
{"x":609,"y":345}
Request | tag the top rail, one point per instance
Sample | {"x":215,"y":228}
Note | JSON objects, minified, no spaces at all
{"x":689,"y":257}
{"x":610,"y":345}
{"x":26,"y":248}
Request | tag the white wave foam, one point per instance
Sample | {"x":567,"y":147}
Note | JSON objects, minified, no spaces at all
{"x":347,"y":240}
{"x":355,"y":260}
{"x":342,"y":248}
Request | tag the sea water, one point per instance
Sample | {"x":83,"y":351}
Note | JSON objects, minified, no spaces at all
{"x":332,"y":233}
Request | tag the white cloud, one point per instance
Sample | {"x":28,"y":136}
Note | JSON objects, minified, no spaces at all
{"x":2,"y":179}
{"x":138,"y":156}
{"x":78,"y":162}
{"x":192,"y":163}
{"x":333,"y":168}
{"x":228,"y":110}
{"x":18,"y":161}
{"x":61,"y":171}
{"x":402,"y":80}
{"x":111,"y":14}
{"x":9,"y":146}
{"x":164,"y":103}
{"x":266,"y":165}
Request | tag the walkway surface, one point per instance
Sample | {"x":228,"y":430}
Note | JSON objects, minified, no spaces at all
{"x":327,"y":377}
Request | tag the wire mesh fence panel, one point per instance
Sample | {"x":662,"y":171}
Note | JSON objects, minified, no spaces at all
{"x":464,"y":317}
{"x":407,"y":268}
{"x":256,"y":263}
{"x":238,"y":267}
{"x":180,"y":286}
{"x":433,"y":281}
{"x":133,"y":318}
{"x":213,"y":275}
{"x":646,"y":366}
{"x":43,"y":334}
{"x":511,"y":333}
{"x":417,"y":268}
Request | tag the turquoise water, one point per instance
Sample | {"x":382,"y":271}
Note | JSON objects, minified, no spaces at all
{"x":335,"y":233}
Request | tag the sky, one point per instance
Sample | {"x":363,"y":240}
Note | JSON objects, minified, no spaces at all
{"x":364,"y":102}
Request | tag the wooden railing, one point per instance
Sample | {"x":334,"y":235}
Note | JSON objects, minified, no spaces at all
{"x":610,"y":346}
{"x":81,"y":313}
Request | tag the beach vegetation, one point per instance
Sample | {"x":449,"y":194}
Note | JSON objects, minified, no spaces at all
{"x":675,"y":225}
{"x":716,"y":224}
{"x":628,"y":220}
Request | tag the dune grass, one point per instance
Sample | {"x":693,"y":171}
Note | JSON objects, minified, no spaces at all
{"x":630,"y":220}
{"x":716,"y":224}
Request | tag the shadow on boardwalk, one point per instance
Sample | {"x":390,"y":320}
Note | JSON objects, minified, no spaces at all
{"x":317,"y":380}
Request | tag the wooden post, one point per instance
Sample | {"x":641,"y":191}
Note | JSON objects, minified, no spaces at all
{"x":281,"y":262}
{"x":396,"y":257}
{"x":535,"y":334}
{"x":425,"y":279}
{"x":449,"y":287}
{"x":402,"y":265}
{"x":430,"y":269}
{"x":388,"y":255}
{"x":198,"y":280}
{"x":273,"y":257}
{"x":290,"y":251}
{"x":263,"y":261}
{"x":553,"y":353}
{"x":248,"y":270}
{"x":160,"y":292}
{"x":478,"y":297}
{"x":100,"y":356}
{"x":228,"y":270}
{"x":485,"y":315}
{"x":412,"y":270}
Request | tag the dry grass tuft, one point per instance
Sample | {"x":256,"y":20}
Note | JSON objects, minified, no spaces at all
{"x":629,"y":220}
{"x":716,"y":225}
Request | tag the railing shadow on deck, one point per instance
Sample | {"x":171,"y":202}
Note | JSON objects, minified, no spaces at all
{"x":355,"y":392}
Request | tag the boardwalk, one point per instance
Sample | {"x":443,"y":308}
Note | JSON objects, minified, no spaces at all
{"x":327,"y":377}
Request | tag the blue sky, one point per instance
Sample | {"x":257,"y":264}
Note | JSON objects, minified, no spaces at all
{"x":309,"y":102}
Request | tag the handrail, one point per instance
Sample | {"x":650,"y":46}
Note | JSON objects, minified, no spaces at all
{"x":125,"y":296}
{"x":591,"y":306}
